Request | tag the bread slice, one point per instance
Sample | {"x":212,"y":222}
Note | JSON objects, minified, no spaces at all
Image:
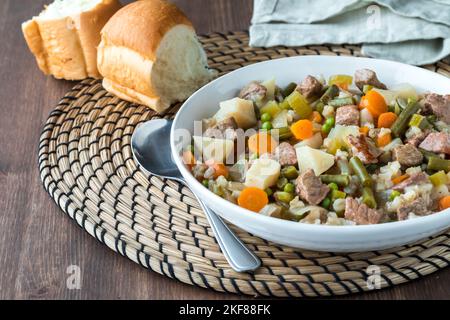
{"x":64,"y":37}
{"x":149,"y":54}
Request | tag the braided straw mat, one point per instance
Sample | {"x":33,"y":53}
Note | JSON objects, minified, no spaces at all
{"x":86,"y":166}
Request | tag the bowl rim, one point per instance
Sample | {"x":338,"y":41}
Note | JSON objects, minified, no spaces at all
{"x":287,"y":224}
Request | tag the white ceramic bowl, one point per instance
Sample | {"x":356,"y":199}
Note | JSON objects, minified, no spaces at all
{"x":204,"y":103}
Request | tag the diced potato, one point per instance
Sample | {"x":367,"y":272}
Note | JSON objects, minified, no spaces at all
{"x":263,"y":173}
{"x":280,"y":120}
{"x":270,"y":86}
{"x":318,"y":160}
{"x":314,"y":142}
{"x":337,"y":138}
{"x":212,"y":148}
{"x":241,"y":110}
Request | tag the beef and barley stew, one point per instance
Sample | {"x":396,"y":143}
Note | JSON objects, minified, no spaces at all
{"x":339,"y":152}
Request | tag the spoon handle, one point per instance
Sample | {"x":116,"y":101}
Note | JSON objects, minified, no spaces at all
{"x":239,"y":257}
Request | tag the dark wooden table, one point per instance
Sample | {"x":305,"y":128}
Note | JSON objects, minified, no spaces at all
{"x":37,"y":241}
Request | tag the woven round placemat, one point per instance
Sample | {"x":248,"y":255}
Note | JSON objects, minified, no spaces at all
{"x":86,"y":166}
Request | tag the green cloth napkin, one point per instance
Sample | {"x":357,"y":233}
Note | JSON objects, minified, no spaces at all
{"x":411,"y":31}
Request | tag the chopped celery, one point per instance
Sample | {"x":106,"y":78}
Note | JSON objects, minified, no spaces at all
{"x":394,"y":194}
{"x":438,"y":178}
{"x":299,"y":104}
{"x":336,"y":194}
{"x":420,"y":121}
{"x":284,"y":105}
{"x":271,"y":108}
{"x":341,"y":80}
{"x":366,"y":88}
{"x":282,"y":196}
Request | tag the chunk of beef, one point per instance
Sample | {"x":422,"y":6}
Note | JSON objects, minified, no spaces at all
{"x":310,"y":188}
{"x":439,"y":105}
{"x":286,"y":155}
{"x":414,"y":179}
{"x":310,"y":87}
{"x":367,"y":77}
{"x":438,"y":142}
{"x":418,"y":207}
{"x":253,"y":91}
{"x":364,"y":149}
{"x":347,"y":116}
{"x":361,"y":213}
{"x":225,"y":129}
{"x":407,"y":155}
{"x":416,"y":139}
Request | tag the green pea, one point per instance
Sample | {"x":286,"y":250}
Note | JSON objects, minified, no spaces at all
{"x":333,"y":186}
{"x":205,"y":182}
{"x":269,"y":192}
{"x":289,"y":187}
{"x":325,"y":203}
{"x":266,"y":125}
{"x":326,"y":128}
{"x":394,"y":194}
{"x":330,"y":121}
{"x":266,"y":117}
{"x":282,"y":181}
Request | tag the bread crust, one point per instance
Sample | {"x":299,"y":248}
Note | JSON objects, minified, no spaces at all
{"x":67,"y":47}
{"x":152,"y":20}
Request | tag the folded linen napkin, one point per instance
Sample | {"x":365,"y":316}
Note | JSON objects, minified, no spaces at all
{"x":411,"y":31}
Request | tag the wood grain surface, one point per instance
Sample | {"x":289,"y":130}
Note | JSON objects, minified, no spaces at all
{"x":38,"y":242}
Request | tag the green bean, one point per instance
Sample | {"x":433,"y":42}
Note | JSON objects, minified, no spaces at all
{"x":359,"y":169}
{"x":282,"y":196}
{"x":341,"y":180}
{"x":282,"y":133}
{"x":343,"y":166}
{"x":339,"y":102}
{"x":290,"y":172}
{"x":289,"y":88}
{"x":329,"y":94}
{"x":428,"y":154}
{"x":437,"y":164}
{"x":400,"y":125}
{"x":368,"y":198}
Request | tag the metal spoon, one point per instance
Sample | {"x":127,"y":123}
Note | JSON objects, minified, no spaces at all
{"x":151,"y":150}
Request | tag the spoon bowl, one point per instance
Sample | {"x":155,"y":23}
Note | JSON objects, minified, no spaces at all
{"x":150,"y":145}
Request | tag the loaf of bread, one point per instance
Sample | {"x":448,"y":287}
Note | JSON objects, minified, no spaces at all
{"x":64,"y":37}
{"x":149,"y":54}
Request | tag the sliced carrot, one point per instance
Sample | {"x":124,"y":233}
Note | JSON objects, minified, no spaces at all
{"x":399,"y":179}
{"x":364,"y":130}
{"x":188,"y":158}
{"x":374,"y":102}
{"x":262,"y":142}
{"x":384,"y":140}
{"x":302,"y":129}
{"x":220,"y":170}
{"x":316,"y":117}
{"x":444,"y":203}
{"x":253,"y":199}
{"x":386,"y":120}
